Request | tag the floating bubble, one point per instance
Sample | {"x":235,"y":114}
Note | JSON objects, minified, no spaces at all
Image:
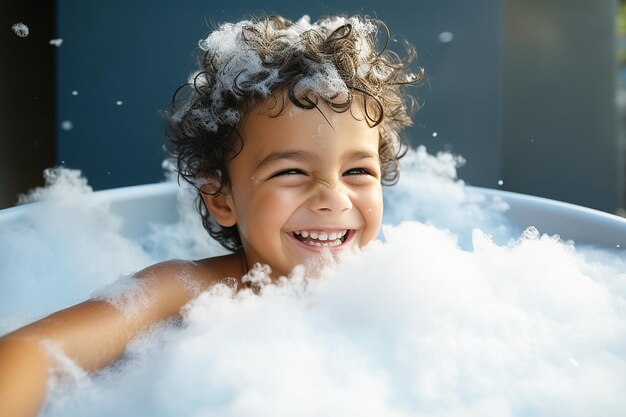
{"x":445,"y":37}
{"x":20,"y":29}
{"x":67,"y":125}
{"x":56,"y":42}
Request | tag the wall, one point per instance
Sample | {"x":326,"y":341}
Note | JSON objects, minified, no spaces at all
{"x":524,"y":89}
{"x":560,"y":121}
{"x":139,"y":52}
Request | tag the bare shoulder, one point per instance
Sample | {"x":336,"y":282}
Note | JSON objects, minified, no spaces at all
{"x":167,"y":286}
{"x":189,"y":278}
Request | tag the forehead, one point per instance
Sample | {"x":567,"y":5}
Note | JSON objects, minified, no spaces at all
{"x":278,"y":123}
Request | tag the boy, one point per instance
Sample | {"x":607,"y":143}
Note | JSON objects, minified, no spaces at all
{"x":287,"y":131}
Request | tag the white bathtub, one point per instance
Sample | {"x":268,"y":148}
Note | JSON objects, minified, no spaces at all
{"x":142,"y":205}
{"x":448,"y":315}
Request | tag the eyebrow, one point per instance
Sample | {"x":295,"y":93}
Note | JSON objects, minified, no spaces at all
{"x":358,"y":155}
{"x":276,"y":156}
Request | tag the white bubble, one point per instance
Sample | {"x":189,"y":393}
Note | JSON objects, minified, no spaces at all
{"x":500,"y":182}
{"x":119,"y":102}
{"x":65,"y":374}
{"x":411,"y":77}
{"x":20,"y":29}
{"x":240,"y":65}
{"x":128,"y":294}
{"x":435,"y":134}
{"x":442,"y":331}
{"x":67,"y":125}
{"x":531,"y":233}
{"x":416,"y":325}
{"x":56,"y":42}
{"x":77,"y":245}
{"x":449,"y":205}
{"x":445,"y":37}
{"x":74,"y":93}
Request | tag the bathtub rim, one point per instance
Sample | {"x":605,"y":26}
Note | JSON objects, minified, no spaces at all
{"x":583,"y":225}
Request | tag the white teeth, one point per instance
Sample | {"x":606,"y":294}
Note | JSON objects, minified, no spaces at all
{"x":332,"y":236}
{"x":313,"y":235}
{"x":305,"y":233}
{"x":323,"y":236}
{"x":297,"y":232}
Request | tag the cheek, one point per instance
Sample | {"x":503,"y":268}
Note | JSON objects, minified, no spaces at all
{"x":276,"y":200}
{"x":269,"y":207}
{"x":372,"y":203}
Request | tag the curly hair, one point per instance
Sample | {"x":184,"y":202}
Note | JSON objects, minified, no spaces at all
{"x":336,"y":60}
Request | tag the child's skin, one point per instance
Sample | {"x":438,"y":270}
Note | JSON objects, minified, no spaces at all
{"x":302,"y":173}
{"x":304,"y":170}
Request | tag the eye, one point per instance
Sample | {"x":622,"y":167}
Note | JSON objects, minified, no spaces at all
{"x":358,"y":171}
{"x":290,"y":171}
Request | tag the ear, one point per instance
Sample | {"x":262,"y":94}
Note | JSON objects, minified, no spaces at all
{"x":220,"y":206}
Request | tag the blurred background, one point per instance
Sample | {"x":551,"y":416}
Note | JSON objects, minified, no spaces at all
{"x":532,"y":93}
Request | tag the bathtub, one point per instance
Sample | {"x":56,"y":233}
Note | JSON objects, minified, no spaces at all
{"x":571,"y":222}
{"x":554,"y":321}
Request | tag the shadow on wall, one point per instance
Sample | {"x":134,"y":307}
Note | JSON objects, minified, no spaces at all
{"x":560,"y":118}
{"x":27,"y":136}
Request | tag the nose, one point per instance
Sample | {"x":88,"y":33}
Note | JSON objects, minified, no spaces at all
{"x":330,"y":198}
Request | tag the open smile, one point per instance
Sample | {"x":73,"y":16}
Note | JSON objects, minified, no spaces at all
{"x":319,"y":239}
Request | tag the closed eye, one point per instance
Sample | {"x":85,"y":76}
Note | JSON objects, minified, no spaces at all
{"x":291,"y":171}
{"x":358,"y":171}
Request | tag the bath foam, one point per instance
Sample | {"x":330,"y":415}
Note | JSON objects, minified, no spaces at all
{"x":429,"y":191}
{"x":241,"y":68}
{"x":184,"y":278}
{"x":185,"y":239}
{"x":415,"y":326}
{"x":66,"y":246}
{"x":258,"y":276}
{"x":66,"y":376}
{"x":412,"y":326}
{"x":127,"y":294}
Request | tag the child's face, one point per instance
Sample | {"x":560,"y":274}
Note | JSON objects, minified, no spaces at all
{"x":300,"y":174}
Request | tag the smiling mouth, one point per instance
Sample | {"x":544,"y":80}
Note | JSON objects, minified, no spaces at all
{"x":322,"y":239}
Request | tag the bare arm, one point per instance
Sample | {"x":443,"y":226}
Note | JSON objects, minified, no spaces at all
{"x":93,"y":334}
{"x":23,"y":375}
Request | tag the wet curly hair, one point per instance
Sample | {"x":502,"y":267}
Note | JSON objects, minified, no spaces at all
{"x":337,"y":60}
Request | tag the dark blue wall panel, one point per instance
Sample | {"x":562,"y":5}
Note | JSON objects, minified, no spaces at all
{"x":138,"y":52}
